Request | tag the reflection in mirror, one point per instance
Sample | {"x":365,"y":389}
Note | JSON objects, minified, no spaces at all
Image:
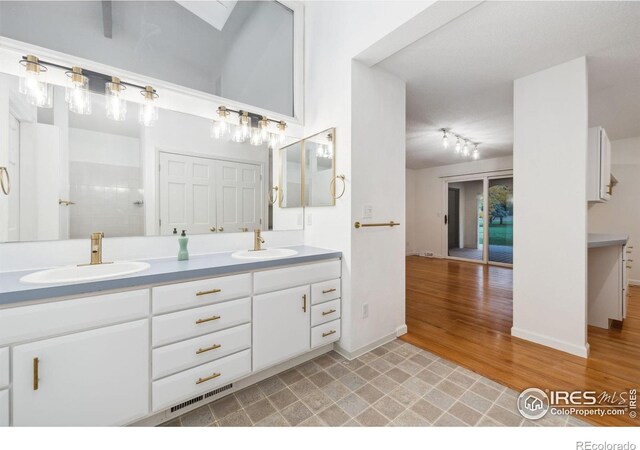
{"x":319,"y":169}
{"x":237,"y":50}
{"x":75,"y":174}
{"x":290,"y":186}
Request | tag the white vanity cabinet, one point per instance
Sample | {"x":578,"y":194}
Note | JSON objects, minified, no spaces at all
{"x":599,"y":180}
{"x":97,"y":377}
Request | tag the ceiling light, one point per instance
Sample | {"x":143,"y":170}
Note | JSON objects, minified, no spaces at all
{"x":116,"y":106}
{"x":465,"y":149}
{"x":458,"y":146}
{"x":221,"y":126}
{"x":445,"y":138}
{"x":475,"y":154}
{"x":148,"y":111}
{"x":77,"y":93}
{"x":38,"y":92}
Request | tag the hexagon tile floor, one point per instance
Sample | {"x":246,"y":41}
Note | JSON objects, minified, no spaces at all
{"x":397,"y":384}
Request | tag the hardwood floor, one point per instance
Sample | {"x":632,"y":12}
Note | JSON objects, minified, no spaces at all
{"x":463,"y":312}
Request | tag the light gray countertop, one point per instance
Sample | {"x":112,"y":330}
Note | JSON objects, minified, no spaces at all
{"x":606,"y":240}
{"x":166,"y":270}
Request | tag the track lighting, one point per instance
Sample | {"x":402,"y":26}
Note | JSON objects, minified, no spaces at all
{"x":445,"y":138}
{"x":38,"y":93}
{"x":148,"y":111}
{"x":115,"y":105}
{"x":77,"y":92}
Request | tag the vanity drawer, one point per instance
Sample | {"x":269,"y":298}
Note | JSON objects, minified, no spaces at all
{"x":47,"y":319}
{"x":325,"y":312}
{"x":190,"y":383}
{"x":275,"y":280}
{"x":4,"y":408}
{"x":327,"y":290}
{"x":325,"y":333}
{"x":173,"y":327}
{"x":202,"y":292}
{"x":4,"y":367}
{"x":183,"y":355}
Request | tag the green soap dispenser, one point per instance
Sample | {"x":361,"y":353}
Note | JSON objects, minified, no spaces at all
{"x":183,"y":240}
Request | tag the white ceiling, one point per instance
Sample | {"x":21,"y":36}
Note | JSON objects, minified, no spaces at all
{"x":461,"y":76}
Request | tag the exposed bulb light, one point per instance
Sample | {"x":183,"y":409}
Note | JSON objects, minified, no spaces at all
{"x":256,"y":137}
{"x":274,"y":140}
{"x":465,"y":149}
{"x":245,"y":125}
{"x":263,"y":126}
{"x":458,"y":145}
{"x":445,"y":139}
{"x":237,"y":134}
{"x":148,"y":111}
{"x":282,"y":125}
{"x":37,"y":92}
{"x":475,"y":154}
{"x":221,"y":126}
{"x":115,"y":105}
{"x":77,"y":93}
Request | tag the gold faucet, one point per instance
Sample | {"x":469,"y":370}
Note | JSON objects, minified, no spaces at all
{"x":96,"y":248}
{"x":257,"y":240}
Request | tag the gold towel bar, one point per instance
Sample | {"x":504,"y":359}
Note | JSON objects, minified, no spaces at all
{"x":386,"y":224}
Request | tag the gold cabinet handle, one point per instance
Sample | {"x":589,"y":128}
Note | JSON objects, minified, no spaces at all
{"x":211,"y":377}
{"x":329,"y":333}
{"x":212,"y":291}
{"x":206,"y":349}
{"x":221,"y":229}
{"x":326,"y":291}
{"x":208,"y":319}
{"x":36,"y":366}
{"x":212,"y":229}
{"x":304,"y":303}
{"x":331,"y":311}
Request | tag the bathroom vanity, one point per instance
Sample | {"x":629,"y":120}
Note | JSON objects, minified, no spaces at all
{"x":608,"y":278}
{"x":147,"y":346}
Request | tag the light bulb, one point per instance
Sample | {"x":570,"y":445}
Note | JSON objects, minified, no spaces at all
{"x":245,"y":125}
{"x":221,"y":126}
{"x":115,"y":105}
{"x":282,"y":125}
{"x":475,"y":154}
{"x":148,"y":111}
{"x":465,"y":149}
{"x":77,"y":93}
{"x":445,"y":139}
{"x":458,"y":146}
{"x":38,"y":93}
{"x":264,"y":129}
{"x":274,"y":140}
{"x":256,"y":137}
{"x":238,"y":134}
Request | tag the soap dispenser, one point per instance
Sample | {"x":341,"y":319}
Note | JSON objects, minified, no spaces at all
{"x":183,"y":240}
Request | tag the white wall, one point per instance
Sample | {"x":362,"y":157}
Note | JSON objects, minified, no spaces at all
{"x":550,"y":241}
{"x":335,"y":33}
{"x":425,"y":227}
{"x":621,"y":214}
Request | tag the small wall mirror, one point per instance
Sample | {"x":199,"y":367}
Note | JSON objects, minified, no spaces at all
{"x":320,"y":169}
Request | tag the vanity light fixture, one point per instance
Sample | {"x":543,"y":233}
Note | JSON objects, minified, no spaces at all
{"x":148,"y":111}
{"x":244,"y":131}
{"x":221,"y":126}
{"x":256,"y":137}
{"x":263,"y":125}
{"x":458,"y":145}
{"x":445,"y":138}
{"x":77,"y":92}
{"x":475,"y":154}
{"x":38,"y":92}
{"x":465,"y":149}
{"x":245,"y":125}
{"x":282,"y":125}
{"x":115,"y":105}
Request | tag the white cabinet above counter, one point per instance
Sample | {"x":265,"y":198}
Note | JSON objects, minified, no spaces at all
{"x":174,"y":346}
{"x":600,"y":182}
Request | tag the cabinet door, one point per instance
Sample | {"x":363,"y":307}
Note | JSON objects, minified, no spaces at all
{"x":281,"y":326}
{"x":98,"y":377}
{"x":605,"y":166}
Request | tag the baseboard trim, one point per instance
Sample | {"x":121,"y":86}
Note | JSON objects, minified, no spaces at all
{"x":367,"y":348}
{"x":634,"y":282}
{"x":582,"y":351}
{"x":402,"y":329}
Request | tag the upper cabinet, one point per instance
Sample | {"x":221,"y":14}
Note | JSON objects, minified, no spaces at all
{"x":599,"y":179}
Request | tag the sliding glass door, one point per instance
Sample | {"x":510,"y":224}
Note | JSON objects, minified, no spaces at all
{"x":465,"y":217}
{"x":500,"y":220}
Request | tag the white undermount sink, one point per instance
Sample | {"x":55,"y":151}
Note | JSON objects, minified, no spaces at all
{"x":270,"y":253}
{"x":78,"y":274}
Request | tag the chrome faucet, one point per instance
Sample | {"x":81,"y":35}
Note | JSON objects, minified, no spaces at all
{"x":96,"y":248}
{"x":257,"y":240}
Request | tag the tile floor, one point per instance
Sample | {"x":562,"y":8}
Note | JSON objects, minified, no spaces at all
{"x":397,"y":384}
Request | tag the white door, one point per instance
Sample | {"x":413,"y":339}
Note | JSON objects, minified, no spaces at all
{"x":94,"y":378}
{"x":281,"y":326}
{"x":187,"y":194}
{"x":239,"y":196}
{"x":13,"y":167}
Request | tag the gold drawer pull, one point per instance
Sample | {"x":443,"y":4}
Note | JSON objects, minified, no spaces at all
{"x":213,"y":347}
{"x":202,"y":380}
{"x":331,"y":311}
{"x":212,"y":291}
{"x":36,"y":364}
{"x":329,"y":333}
{"x":208,"y":319}
{"x":326,"y":291}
